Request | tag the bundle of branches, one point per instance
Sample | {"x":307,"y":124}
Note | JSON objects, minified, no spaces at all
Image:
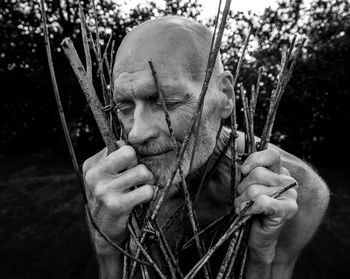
{"x":143,"y":224}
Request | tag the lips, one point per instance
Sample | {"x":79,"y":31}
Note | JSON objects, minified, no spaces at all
{"x":148,"y":154}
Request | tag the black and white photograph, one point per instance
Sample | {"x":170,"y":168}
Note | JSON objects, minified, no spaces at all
{"x":174,"y":139}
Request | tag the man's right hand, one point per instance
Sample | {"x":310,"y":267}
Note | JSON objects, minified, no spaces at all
{"x":110,"y":182}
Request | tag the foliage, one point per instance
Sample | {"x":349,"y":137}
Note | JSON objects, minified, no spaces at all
{"x":312,"y":113}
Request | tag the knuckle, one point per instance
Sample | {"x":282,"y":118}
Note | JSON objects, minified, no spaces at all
{"x":91,"y":176}
{"x":99,"y":191}
{"x":86,"y":165}
{"x":91,"y":161}
{"x":252,"y":158}
{"x":112,"y":203}
{"x":252,"y":192}
{"x":261,"y":200}
{"x":293,"y":193}
{"x":274,"y":153}
{"x":286,"y":179}
{"x":285,"y":171}
{"x":240,"y":187}
{"x":292,"y":209}
{"x":148,"y":192}
{"x":294,"y":206}
{"x":258,"y":172}
{"x":143,"y":172}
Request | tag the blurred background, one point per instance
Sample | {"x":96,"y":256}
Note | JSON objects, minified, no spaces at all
{"x":42,"y":230}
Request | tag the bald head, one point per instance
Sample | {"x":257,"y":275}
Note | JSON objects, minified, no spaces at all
{"x":177,"y":46}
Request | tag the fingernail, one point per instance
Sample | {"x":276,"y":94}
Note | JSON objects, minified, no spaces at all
{"x":245,"y":168}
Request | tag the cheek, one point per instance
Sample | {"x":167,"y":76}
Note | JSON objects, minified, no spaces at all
{"x":181,"y":120}
{"x":211,"y":107}
{"x":127,"y":123}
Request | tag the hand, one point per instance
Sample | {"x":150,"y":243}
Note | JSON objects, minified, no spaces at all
{"x":109,"y":181}
{"x":264,"y":177}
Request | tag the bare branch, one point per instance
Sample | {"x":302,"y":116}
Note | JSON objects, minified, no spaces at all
{"x":59,"y":103}
{"x":90,"y":94}
{"x":85,"y":42}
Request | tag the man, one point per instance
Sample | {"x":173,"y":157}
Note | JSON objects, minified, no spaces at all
{"x":179,"y":50}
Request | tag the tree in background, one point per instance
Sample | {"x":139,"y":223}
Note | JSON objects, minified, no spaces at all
{"x":312,"y":113}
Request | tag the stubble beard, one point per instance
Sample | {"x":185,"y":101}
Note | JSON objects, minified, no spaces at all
{"x":163,"y":166}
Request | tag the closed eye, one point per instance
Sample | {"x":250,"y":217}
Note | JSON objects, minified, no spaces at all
{"x":124,"y":109}
{"x":172,"y":103}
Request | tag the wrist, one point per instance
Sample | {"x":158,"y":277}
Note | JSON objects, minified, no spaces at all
{"x":102,"y":247}
{"x":262,"y":255}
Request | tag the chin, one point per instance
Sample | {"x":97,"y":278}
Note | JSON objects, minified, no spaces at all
{"x":162,"y":167}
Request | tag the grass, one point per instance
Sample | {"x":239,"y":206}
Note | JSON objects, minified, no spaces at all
{"x":43,"y":227}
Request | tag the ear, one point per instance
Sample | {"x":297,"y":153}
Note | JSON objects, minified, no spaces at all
{"x":225,"y":87}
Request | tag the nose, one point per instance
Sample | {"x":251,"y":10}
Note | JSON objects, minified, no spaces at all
{"x":144,"y":126}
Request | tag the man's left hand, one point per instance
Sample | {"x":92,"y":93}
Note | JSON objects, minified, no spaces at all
{"x":264,"y":176}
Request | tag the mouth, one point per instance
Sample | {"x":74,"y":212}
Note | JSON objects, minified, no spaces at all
{"x":154,"y":154}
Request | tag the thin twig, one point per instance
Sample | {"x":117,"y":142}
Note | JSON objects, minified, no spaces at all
{"x":207,"y":229}
{"x":246,"y":116}
{"x":243,"y":264}
{"x":126,"y":261}
{"x":238,"y":68}
{"x":195,"y":116}
{"x":85,"y":42}
{"x":206,"y":175}
{"x":234,"y":134}
{"x":144,"y":252}
{"x":238,"y":222}
{"x":194,"y":223}
{"x":164,"y":242}
{"x":165,"y":110}
{"x":197,"y":126}
{"x":59,"y":103}
{"x":108,"y":240}
{"x":283,"y":78}
{"x":191,"y":212}
{"x":234,"y":254}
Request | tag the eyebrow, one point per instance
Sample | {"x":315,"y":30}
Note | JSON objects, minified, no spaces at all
{"x":152,"y":95}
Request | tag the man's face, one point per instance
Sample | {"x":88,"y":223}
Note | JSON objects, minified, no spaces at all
{"x":140,"y":110}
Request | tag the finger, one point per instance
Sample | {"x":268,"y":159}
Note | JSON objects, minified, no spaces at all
{"x":263,"y":176}
{"x":119,"y":160}
{"x":140,"y":195}
{"x":269,"y":158}
{"x":138,"y":175}
{"x":284,"y":171}
{"x":276,"y":210}
{"x":90,"y":162}
{"x":252,"y":192}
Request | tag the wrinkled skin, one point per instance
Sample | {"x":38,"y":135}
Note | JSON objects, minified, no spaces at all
{"x":178,"y":49}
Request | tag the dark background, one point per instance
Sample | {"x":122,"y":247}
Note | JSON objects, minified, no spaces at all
{"x":42,"y":230}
